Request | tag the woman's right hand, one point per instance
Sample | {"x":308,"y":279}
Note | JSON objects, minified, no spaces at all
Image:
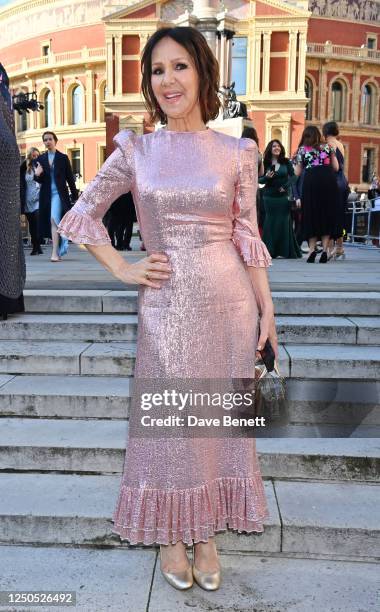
{"x":298,"y":203}
{"x":148,"y":271}
{"x":270,"y":174}
{"x":38,"y":170}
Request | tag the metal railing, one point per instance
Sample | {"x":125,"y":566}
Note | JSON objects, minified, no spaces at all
{"x":365,"y":222}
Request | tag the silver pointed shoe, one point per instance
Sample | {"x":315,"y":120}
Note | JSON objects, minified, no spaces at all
{"x":209,"y":581}
{"x":179,"y":580}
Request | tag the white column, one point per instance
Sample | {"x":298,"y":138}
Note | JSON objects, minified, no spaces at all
{"x":323,"y":91}
{"x":266,"y":62}
{"x":228,"y":59}
{"x":109,"y":66}
{"x":143,"y":40}
{"x":250,"y":63}
{"x":223,"y":68}
{"x":118,"y":66}
{"x":301,"y":62}
{"x":257,"y":63}
{"x":89,"y":96}
{"x":356,"y":97}
{"x":32,"y":123}
{"x":58,"y":99}
{"x":292,"y":61}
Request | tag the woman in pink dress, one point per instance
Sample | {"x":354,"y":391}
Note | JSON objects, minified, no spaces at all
{"x":201,"y":290}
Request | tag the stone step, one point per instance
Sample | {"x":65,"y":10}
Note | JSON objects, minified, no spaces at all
{"x":76,"y":300}
{"x":333,"y":401}
{"x":320,"y":303}
{"x":324,"y":402}
{"x":79,"y":327}
{"x":286,"y":583}
{"x":92,"y":327}
{"x":33,"y":357}
{"x":323,"y":518}
{"x":81,"y":397}
{"x":334,"y":361}
{"x":98,"y":446}
{"x":306,"y":361}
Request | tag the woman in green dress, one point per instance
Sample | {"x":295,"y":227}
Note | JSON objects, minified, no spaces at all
{"x":278,"y":227}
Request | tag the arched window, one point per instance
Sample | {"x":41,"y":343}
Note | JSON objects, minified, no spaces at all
{"x":368,"y":96}
{"x":76,"y":105}
{"x":309,"y":94}
{"x":338,"y":101}
{"x":48,"y":109}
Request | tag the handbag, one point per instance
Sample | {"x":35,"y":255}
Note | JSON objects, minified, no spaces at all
{"x":270,"y":393}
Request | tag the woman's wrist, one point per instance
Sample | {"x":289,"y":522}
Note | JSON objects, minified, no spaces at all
{"x":121,"y":270}
{"x":267,"y":309}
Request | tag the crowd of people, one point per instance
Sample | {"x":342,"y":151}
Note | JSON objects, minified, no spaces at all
{"x":48,"y":191}
{"x":303,"y":198}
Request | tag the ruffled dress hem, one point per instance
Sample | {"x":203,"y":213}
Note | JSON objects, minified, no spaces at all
{"x":157,"y":516}
{"x":83,"y":229}
{"x":252,"y":249}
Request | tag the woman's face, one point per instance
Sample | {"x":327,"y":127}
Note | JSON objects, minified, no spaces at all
{"x":35,"y":154}
{"x":276,"y":149}
{"x":174,"y":79}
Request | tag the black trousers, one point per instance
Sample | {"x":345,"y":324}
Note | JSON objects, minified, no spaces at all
{"x":33,"y":228}
{"x":120,"y":232}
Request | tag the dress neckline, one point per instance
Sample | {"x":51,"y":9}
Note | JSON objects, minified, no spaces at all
{"x":186,"y":132}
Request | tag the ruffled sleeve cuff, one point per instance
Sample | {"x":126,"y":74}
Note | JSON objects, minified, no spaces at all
{"x":252,"y":249}
{"x":83,"y":229}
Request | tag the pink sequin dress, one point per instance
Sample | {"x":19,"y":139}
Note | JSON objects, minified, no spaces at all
{"x":195,"y":197}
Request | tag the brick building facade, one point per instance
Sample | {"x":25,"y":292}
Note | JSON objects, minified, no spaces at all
{"x":293,"y":63}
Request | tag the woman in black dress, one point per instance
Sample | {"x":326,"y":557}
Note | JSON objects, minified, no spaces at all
{"x":320,"y":194}
{"x":331,"y":132}
{"x":12,"y":260}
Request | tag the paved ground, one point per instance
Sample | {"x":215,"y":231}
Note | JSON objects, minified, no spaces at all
{"x":130,"y":581}
{"x":360,"y":271}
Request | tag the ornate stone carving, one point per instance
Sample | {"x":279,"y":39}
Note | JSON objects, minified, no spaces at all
{"x":347,"y":9}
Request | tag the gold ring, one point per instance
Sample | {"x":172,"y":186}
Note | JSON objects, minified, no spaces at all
{"x":146,"y":274}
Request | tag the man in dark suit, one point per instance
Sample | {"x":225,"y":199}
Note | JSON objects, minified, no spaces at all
{"x":54,"y":172}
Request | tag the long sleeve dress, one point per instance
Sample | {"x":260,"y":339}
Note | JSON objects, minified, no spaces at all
{"x":12,"y":260}
{"x":278,"y":234}
{"x":195,"y":201}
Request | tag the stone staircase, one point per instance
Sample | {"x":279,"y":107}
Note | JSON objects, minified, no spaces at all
{"x":65,"y":368}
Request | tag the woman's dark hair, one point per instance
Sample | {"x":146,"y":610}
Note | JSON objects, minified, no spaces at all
{"x":250,"y":132}
{"x":330,"y":129}
{"x":311,"y":137}
{"x":205,"y":64}
{"x":51,"y":133}
{"x":268,"y":154}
